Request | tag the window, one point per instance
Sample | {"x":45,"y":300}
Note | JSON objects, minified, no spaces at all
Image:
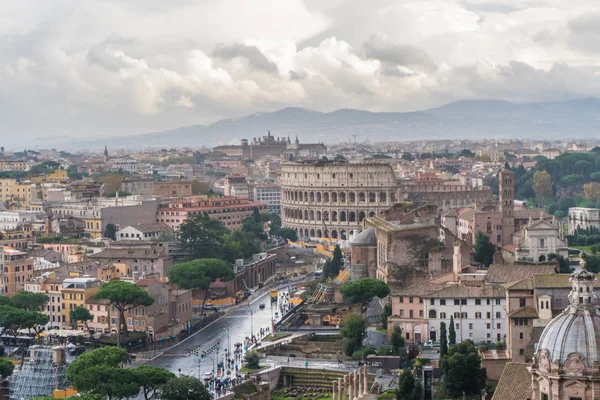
{"x":456,"y":302}
{"x":401,"y":299}
{"x":488,"y":315}
{"x":489,"y":326}
{"x":477,"y":315}
{"x":463,"y":302}
{"x":420,"y":313}
{"x":407,"y":335}
{"x":521,"y":335}
{"x":498,"y":314}
{"x":432,"y":314}
{"x":542,"y":243}
{"x":498,"y":325}
{"x":463,"y":315}
{"x":521,"y":352}
{"x":402,"y":313}
{"x":457,"y":326}
{"x":489,"y":301}
{"x":477,"y":302}
{"x":456,"y":315}
{"x":442,"y":302}
{"x":432,"y":302}
{"x":522,"y":302}
{"x":443,"y":315}
{"x":470,"y":326}
{"x":544,"y":396}
{"x":421,"y":301}
{"x":410,"y":299}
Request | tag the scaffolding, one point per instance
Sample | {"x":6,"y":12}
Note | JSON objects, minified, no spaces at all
{"x":43,"y":372}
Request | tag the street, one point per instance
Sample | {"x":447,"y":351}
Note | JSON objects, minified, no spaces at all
{"x":228,"y":330}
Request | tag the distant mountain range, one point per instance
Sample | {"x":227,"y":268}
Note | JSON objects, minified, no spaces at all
{"x":466,"y":119}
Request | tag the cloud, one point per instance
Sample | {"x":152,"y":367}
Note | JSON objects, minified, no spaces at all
{"x":251,"y":54}
{"x":118,"y":67}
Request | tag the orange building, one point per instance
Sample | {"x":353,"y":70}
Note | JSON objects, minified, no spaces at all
{"x":17,"y":269}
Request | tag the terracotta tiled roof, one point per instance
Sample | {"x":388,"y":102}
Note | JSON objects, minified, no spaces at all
{"x":499,"y":273}
{"x":509,"y":247}
{"x":523,"y":284}
{"x":461,"y":291}
{"x":551,"y":281}
{"x":514,"y":384}
{"x":527,"y":312}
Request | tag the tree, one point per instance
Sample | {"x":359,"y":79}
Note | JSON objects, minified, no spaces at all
{"x":82,"y":314}
{"x":466,"y":153}
{"x":443,"y":340}
{"x":462,"y":371}
{"x":484,"y":249}
{"x":13,"y":319}
{"x":352,"y":329}
{"x":288,"y":234}
{"x":30,"y":301}
{"x":451,"y":332}
{"x":408,"y":387}
{"x":408,"y":157}
{"x":542,"y":185}
{"x":364,"y":290}
{"x":99,"y":372}
{"x":202,"y":237}
{"x":387,"y":312}
{"x":6,"y":367}
{"x":199,"y":187}
{"x":151,"y":379}
{"x":338,"y":259}
{"x":396,"y":340}
{"x":124,"y":296}
{"x":252,"y":360}
{"x":110,"y":232}
{"x":185,"y":388}
{"x":5,"y":301}
{"x":199,"y":274}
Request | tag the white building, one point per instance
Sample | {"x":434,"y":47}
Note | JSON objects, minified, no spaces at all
{"x":12,"y":220}
{"x":583,"y":218}
{"x":479,"y":312}
{"x":270,"y":195}
{"x":537,"y":240}
{"x":143,"y":232}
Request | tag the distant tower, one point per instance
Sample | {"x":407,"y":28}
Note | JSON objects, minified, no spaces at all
{"x":105,"y":154}
{"x":507,"y":204}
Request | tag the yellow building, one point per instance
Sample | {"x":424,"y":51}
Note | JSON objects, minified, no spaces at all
{"x":75,"y":293}
{"x":14,"y":166}
{"x":59,"y":175}
{"x":15,"y":195}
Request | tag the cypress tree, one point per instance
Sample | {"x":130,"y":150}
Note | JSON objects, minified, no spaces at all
{"x":443,"y":340}
{"x":451,"y":332}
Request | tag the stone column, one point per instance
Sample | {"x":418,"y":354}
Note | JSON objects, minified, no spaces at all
{"x":333,"y":392}
{"x":360,"y":391}
{"x":340,"y":390}
{"x":354,"y":378}
{"x":366,"y":387}
{"x":350,"y":392}
{"x":345,"y":387}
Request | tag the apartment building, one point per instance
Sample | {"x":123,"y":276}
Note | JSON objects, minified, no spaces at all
{"x":269,"y":194}
{"x":76,"y":292}
{"x":230,"y":210}
{"x":17,"y":269}
{"x":14,"y":194}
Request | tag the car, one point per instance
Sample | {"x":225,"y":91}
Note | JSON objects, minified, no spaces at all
{"x":262,"y":306}
{"x":292,"y":355}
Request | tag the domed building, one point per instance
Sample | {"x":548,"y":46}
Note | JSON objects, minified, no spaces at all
{"x":566,"y":365}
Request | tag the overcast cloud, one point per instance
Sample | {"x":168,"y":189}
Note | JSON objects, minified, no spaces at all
{"x":112,"y":67}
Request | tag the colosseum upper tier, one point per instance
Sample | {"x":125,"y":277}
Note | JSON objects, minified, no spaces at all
{"x":330,"y":199}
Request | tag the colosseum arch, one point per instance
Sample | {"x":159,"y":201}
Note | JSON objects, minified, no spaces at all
{"x":325,"y":215}
{"x":372,"y":197}
{"x":334,"y":197}
{"x":393,"y":197}
{"x":311,"y":215}
{"x":312,"y":197}
{"x":318,"y":215}
{"x":352,"y":216}
{"x":361,"y":197}
{"x":352,"y":197}
{"x":382,"y":197}
{"x":334,"y":216}
{"x":319,"y":233}
{"x":318,"y":197}
{"x":343,"y":234}
{"x":306,"y":232}
{"x":326,"y":197}
{"x":301,"y":196}
{"x":295,"y":195}
{"x":342,"y":197}
{"x":371,"y":213}
{"x":343,"y":216}
{"x":312,"y":233}
{"x":361,"y":216}
{"x":334,"y":234}
{"x":305,"y":215}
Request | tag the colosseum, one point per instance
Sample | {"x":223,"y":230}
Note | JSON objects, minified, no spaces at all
{"x":321,"y":199}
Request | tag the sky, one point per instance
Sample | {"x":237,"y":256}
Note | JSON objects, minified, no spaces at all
{"x":84,"y":69}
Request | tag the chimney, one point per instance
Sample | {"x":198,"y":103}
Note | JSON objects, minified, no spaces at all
{"x":456,"y":260}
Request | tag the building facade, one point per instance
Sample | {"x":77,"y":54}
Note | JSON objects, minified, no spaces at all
{"x":583,"y":218}
{"x":331,"y":199}
{"x":269,"y":194}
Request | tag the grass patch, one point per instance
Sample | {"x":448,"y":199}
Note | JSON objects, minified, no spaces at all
{"x":245,"y":388}
{"x":246,"y":370}
{"x":388,"y":394}
{"x":277,"y":336}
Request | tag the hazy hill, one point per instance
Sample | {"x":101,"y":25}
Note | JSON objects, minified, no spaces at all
{"x":466,"y":119}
